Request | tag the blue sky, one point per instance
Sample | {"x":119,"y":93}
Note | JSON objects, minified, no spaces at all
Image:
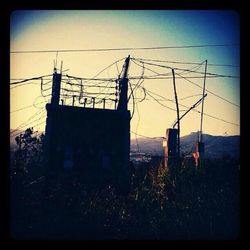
{"x":41,"y":30}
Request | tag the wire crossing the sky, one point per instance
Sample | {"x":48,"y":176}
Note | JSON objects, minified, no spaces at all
{"x":187,"y":78}
{"x":124,"y":49}
{"x":185,"y":63}
{"x":72,"y":84}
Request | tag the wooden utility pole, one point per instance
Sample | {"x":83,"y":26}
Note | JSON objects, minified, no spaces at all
{"x":201,"y":147}
{"x":178,"y":116}
{"x":202,"y":104}
{"x":123,"y":87}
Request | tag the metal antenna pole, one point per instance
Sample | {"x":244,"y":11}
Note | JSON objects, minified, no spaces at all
{"x":178,"y":115}
{"x":202,"y":105}
{"x":61,"y":67}
{"x":56,"y":60}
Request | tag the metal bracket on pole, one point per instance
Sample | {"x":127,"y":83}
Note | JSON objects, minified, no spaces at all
{"x":190,"y":109}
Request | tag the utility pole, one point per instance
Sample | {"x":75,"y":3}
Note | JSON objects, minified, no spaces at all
{"x":178,"y":116}
{"x":123,"y":87}
{"x":201,"y":147}
{"x":124,"y":115}
{"x":56,"y":86}
{"x":55,"y":99}
{"x":202,"y":104}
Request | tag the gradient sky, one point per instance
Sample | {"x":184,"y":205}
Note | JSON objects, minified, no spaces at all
{"x":54,"y":30}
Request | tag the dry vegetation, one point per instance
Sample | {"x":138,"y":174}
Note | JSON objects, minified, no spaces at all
{"x":187,"y":204}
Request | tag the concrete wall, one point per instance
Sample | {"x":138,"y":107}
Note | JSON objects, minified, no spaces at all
{"x":83,"y":138}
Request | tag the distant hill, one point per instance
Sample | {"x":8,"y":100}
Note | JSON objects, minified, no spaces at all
{"x":215,"y":146}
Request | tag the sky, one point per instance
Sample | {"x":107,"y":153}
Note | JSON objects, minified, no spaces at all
{"x":43,"y":30}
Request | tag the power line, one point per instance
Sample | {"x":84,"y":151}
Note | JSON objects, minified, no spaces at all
{"x":186,"y":78}
{"x":29,"y":79}
{"x":186,"y":97}
{"x":144,"y":77}
{"x":188,"y":70}
{"x":158,"y":101}
{"x":25,"y":107}
{"x":186,"y":63}
{"x":153,"y":77}
{"x":90,"y":79}
{"x":161,"y":103}
{"x":26,"y":122}
{"x":140,"y":78}
{"x":24,"y":82}
{"x":217,"y":118}
{"x":222,"y":98}
{"x":88,"y":85}
{"x":166,"y":74}
{"x":121,"y":49}
{"x":27,"y":125}
{"x":114,"y":63}
{"x":159,"y":137}
{"x":20,"y":79}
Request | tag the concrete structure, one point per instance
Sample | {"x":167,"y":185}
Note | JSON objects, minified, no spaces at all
{"x":88,"y":139}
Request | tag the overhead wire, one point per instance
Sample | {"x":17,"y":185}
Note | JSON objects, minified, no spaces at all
{"x":181,"y":76}
{"x":186,"y":63}
{"x":29,"y":79}
{"x":148,"y":92}
{"x":21,"y":84}
{"x":141,"y":78}
{"x":222,"y":98}
{"x":23,"y":131}
{"x":23,"y":124}
{"x":194,"y":69}
{"x":24,"y":108}
{"x":157,"y":137}
{"x":195,"y":110}
{"x":26,"y":123}
{"x":140,"y":81}
{"x":120,"y":49}
{"x":188,"y":70}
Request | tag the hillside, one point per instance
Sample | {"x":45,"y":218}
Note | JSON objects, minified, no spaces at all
{"x":215,"y":146}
